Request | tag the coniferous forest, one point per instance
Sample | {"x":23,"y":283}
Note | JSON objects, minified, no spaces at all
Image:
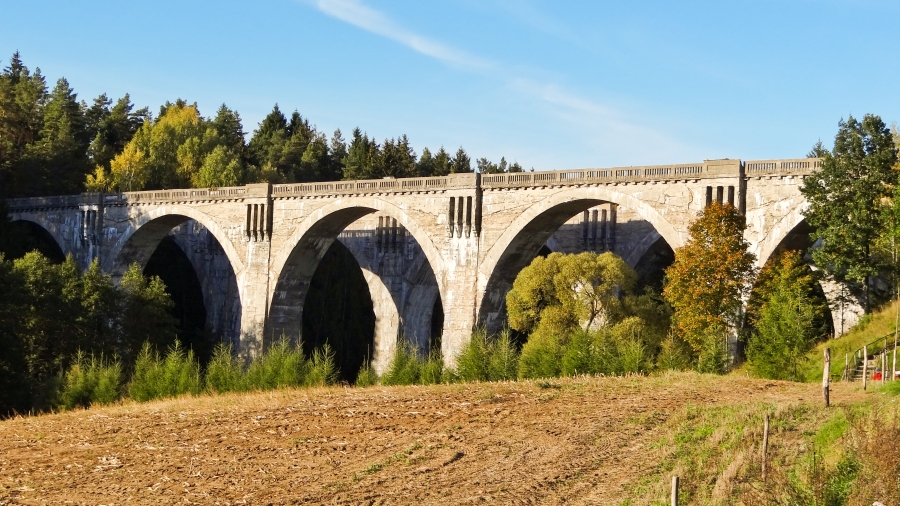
{"x":52,"y":142}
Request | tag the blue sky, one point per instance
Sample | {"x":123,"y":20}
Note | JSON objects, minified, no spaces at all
{"x":551,"y":85}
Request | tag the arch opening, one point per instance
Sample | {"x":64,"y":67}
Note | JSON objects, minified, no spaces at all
{"x":392,"y":259}
{"x":198,"y":274}
{"x":573,"y":226}
{"x":651,"y":268}
{"x":23,"y":236}
{"x":172,"y":265}
{"x":799,"y":238}
{"x":339,"y":312}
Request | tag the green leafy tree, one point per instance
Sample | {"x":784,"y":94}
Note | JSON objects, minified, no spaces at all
{"x":707,"y":282}
{"x":111,"y":128}
{"x":57,"y":161}
{"x":845,"y":196}
{"x":145,"y":313}
{"x":560,"y":293}
{"x":15,"y":389}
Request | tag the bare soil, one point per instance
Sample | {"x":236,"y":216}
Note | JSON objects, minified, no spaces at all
{"x":580,"y":441}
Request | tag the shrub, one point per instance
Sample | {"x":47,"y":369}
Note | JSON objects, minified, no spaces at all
{"x":322,"y":369}
{"x":432,"y":371}
{"x":488,"y":359}
{"x":473,"y":363}
{"x":405,"y":367}
{"x":224,"y":372}
{"x":177,"y":374}
{"x":503,"y":358}
{"x":282,"y":365}
{"x":541,"y":356}
{"x":367,"y":376}
{"x":90,"y":381}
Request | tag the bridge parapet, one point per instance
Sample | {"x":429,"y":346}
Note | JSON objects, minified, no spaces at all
{"x":614,"y":175}
{"x":387,"y":185}
{"x":795,"y":166}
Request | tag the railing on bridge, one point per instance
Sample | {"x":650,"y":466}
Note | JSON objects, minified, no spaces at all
{"x":416,"y":184}
{"x":615,"y":175}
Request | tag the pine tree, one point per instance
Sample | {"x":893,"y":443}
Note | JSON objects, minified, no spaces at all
{"x":844,"y":198}
{"x":461,"y":162}
{"x":22,"y":99}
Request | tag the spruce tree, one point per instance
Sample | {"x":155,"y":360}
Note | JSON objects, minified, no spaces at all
{"x":844,"y":198}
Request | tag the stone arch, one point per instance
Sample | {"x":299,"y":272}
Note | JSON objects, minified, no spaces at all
{"x":52,"y":230}
{"x":294,"y":265}
{"x":145,"y":230}
{"x":845,"y":308}
{"x":523,"y":237}
{"x":776,"y":234}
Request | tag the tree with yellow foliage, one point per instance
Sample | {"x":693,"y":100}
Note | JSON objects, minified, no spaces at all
{"x":706,"y":284}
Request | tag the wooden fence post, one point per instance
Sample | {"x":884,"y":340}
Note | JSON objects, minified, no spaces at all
{"x":883,"y":365}
{"x":765,"y":445}
{"x":826,"y":375}
{"x":846,"y":367}
{"x":865,"y":365}
{"x":674,"y":491}
{"x":894,"y":367}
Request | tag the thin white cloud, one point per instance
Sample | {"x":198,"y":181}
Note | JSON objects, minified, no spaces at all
{"x":362,"y":16}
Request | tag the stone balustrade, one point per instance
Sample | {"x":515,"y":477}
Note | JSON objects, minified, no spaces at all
{"x":615,"y":175}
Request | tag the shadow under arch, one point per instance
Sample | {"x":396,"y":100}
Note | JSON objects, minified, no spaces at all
{"x":522,"y":240}
{"x":27,"y":233}
{"x":298,"y":259}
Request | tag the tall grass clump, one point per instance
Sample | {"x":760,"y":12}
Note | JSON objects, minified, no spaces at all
{"x":155,"y":378}
{"x":90,"y":381}
{"x":224,"y":372}
{"x":322,"y":369}
{"x":282,"y":365}
{"x":487,"y":359}
{"x":405,"y":367}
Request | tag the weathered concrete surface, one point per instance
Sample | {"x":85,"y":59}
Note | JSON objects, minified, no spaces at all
{"x":459,"y":239}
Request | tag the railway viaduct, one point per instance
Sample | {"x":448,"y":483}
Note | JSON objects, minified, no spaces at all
{"x":451,"y":243}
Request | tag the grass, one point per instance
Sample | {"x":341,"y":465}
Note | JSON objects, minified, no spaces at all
{"x":876,"y":325}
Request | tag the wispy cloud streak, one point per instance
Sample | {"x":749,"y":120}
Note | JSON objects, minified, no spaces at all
{"x":603,"y":125}
{"x":362,"y":16}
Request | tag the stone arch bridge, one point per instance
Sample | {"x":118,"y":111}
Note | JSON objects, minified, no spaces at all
{"x":425,"y":245}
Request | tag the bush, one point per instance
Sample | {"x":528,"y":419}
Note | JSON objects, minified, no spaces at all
{"x":367,"y":376}
{"x":541,"y":356}
{"x":90,"y":381}
{"x":282,"y":365}
{"x":503,"y":358}
{"x":322,"y":369}
{"x":224,"y":372}
{"x":177,"y":374}
{"x":405,"y":367}
{"x":432,"y":371}
{"x":488,"y":359}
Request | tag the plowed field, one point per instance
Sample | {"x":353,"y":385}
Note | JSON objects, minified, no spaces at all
{"x":582,"y":441}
